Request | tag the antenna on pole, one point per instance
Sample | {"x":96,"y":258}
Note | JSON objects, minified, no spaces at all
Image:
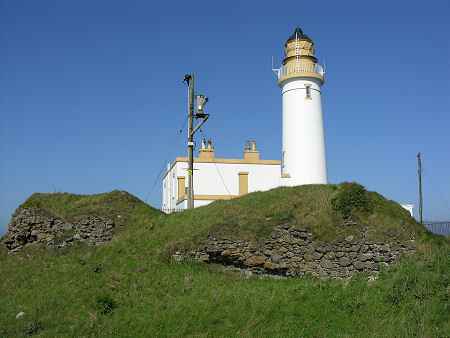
{"x":201,"y":101}
{"x":276,"y":71}
{"x":420,"y":187}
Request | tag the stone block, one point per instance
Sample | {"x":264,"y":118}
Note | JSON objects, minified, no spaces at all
{"x":330,"y":255}
{"x":317,"y":255}
{"x":270,"y":266}
{"x":276,"y":258}
{"x":344,"y":261}
{"x":325,"y":264}
{"x":358,"y":265}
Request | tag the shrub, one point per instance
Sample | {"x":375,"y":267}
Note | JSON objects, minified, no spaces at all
{"x":352,"y":196}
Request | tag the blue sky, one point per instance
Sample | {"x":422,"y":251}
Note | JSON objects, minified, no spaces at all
{"x":91,"y":92}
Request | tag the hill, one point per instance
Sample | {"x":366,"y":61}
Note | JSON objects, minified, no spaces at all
{"x":60,"y":219}
{"x":131,"y":286}
{"x":115,"y":205}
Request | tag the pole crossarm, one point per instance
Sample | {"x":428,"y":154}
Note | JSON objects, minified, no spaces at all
{"x":200,"y":124}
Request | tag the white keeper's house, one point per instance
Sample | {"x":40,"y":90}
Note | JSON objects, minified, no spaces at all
{"x":303,"y":157}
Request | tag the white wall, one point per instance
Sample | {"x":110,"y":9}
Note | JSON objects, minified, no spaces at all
{"x":207,"y":180}
{"x":409,"y":207}
{"x":303,"y":134}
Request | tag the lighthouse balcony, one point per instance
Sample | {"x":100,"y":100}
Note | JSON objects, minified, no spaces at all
{"x":295,"y":69}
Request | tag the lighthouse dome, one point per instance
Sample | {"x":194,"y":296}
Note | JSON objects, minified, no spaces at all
{"x":299,"y":34}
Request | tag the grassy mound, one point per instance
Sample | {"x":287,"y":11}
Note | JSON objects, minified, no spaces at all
{"x":114,"y":205}
{"x":331,"y":212}
{"x":124,"y":288}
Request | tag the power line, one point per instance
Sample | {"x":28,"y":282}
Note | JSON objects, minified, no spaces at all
{"x":167,"y":158}
{"x":217,"y":168}
{"x":435,"y":188}
{"x":195,"y":92}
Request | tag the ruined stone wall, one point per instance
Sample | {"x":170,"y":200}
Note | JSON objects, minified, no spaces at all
{"x":291,"y":251}
{"x":32,"y":226}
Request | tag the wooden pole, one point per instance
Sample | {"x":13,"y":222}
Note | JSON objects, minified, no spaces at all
{"x":190,"y":200}
{"x":420,"y":187}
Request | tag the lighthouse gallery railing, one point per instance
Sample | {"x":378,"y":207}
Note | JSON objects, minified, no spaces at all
{"x":300,"y":68}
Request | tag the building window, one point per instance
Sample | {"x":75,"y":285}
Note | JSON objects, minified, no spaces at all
{"x":308,"y":92}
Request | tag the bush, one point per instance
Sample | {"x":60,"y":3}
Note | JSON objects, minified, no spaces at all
{"x":105,"y":304}
{"x":352,"y":196}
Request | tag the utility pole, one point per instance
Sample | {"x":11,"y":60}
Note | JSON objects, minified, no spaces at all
{"x":190,"y":195}
{"x":201,"y":101}
{"x":420,"y":188}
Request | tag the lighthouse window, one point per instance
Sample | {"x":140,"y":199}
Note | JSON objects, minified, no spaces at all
{"x":308,"y":92}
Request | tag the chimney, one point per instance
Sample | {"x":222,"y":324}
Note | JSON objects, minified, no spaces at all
{"x":206,"y":154}
{"x":251,"y":156}
{"x":247,"y":145}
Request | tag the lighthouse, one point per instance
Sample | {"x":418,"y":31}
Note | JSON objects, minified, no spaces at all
{"x":303,"y":149}
{"x":303,"y":159}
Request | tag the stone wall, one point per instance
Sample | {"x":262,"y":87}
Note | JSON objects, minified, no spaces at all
{"x":32,"y":226}
{"x":291,"y":251}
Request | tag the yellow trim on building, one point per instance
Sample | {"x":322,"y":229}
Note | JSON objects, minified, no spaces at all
{"x":243,"y":182}
{"x":181,"y":186}
{"x":222,"y":160}
{"x":208,"y":198}
{"x":285,"y":175}
{"x":296,"y":75}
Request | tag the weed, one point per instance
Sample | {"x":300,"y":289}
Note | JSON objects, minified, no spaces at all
{"x":33,"y":328}
{"x":97,"y":268}
{"x":105,"y":304}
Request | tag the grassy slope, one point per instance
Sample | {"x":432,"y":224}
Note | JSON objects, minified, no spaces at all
{"x":59,"y":290}
{"x":115,"y":205}
{"x":253,"y":216}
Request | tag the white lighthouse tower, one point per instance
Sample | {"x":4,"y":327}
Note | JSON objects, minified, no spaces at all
{"x":300,"y":78}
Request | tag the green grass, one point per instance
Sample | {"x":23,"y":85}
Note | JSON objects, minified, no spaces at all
{"x":61,"y":292}
{"x":125,"y":288}
{"x":114,"y":205}
{"x":255,"y":215}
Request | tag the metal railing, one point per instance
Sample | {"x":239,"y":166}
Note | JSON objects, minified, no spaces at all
{"x":440,"y":228}
{"x":299,"y":68}
{"x":171,"y":210}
